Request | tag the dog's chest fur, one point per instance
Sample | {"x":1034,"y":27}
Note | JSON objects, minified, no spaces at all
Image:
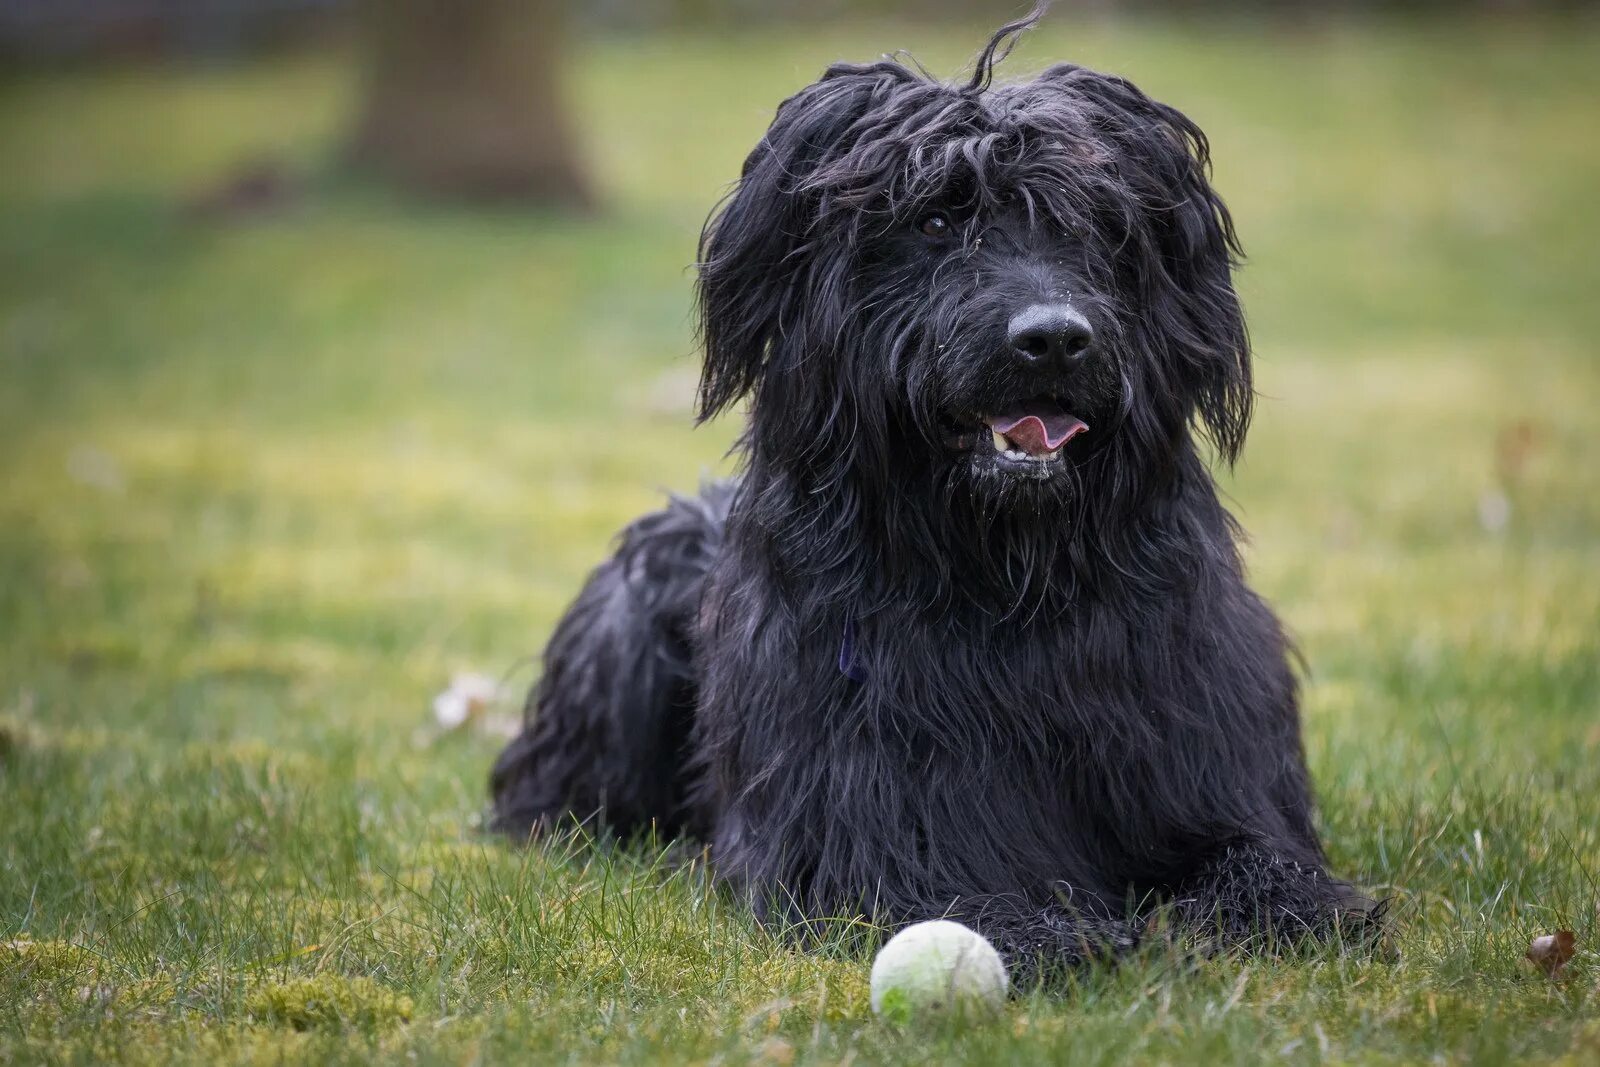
{"x":1057,"y":729}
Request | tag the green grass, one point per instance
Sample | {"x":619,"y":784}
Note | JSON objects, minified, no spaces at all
{"x":263,"y":487}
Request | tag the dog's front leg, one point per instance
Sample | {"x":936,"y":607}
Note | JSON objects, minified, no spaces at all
{"x":1042,"y":941}
{"x":1250,"y":895}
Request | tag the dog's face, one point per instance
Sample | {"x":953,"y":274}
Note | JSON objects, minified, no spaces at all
{"x":1023,"y":291}
{"x":1014,"y":369}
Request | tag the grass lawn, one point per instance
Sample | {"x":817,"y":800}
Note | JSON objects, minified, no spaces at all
{"x":264,"y":486}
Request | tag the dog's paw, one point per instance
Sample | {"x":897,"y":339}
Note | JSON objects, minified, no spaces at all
{"x":1059,"y":944}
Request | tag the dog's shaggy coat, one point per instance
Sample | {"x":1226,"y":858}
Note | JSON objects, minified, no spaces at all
{"x":970,"y":636}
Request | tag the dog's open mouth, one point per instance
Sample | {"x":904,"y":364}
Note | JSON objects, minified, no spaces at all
{"x":1028,"y":435}
{"x":1035,"y":430}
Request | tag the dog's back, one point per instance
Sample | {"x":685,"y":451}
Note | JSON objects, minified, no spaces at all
{"x":609,"y":721}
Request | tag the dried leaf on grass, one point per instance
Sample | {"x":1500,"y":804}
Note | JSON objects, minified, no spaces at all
{"x":1551,"y":952}
{"x":471,"y":700}
{"x":468,"y":695}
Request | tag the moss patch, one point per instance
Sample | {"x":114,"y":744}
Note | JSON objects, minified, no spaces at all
{"x":329,"y":1002}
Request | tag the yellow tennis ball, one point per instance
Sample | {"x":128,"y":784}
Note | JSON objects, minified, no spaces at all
{"x":938,"y":967}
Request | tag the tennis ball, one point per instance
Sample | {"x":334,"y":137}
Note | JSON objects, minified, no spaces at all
{"x":938,"y":967}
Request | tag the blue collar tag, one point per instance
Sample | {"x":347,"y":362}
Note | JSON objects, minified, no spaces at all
{"x":849,"y":666}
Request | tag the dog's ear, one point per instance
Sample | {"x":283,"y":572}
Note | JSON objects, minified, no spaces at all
{"x":1184,"y":272}
{"x":754,"y":264}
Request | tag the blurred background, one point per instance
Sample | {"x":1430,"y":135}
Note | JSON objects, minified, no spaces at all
{"x":337,"y":339}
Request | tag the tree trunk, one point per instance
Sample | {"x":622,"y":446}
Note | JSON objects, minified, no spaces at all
{"x":464,"y":100}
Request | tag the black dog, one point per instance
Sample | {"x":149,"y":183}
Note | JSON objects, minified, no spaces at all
{"x":970,"y":636}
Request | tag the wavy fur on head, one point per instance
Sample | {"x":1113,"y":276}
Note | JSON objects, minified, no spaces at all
{"x":970,"y":636}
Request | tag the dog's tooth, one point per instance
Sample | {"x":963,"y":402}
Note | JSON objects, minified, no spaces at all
{"x":1001,"y":444}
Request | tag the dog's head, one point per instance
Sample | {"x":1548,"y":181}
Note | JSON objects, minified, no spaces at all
{"x":1014,"y":288}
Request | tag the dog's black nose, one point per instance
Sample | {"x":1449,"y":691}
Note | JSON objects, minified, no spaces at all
{"x":1051,"y":334}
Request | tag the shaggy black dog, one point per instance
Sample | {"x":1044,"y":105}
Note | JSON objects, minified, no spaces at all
{"x":970,"y":636}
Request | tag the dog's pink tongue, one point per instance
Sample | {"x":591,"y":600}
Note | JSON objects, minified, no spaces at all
{"x":1038,"y":431}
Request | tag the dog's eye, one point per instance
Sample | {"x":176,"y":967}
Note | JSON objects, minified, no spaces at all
{"x":935,"y":225}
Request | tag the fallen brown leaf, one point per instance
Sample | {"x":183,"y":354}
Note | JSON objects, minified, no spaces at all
{"x":1551,"y":952}
{"x":776,"y":1050}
